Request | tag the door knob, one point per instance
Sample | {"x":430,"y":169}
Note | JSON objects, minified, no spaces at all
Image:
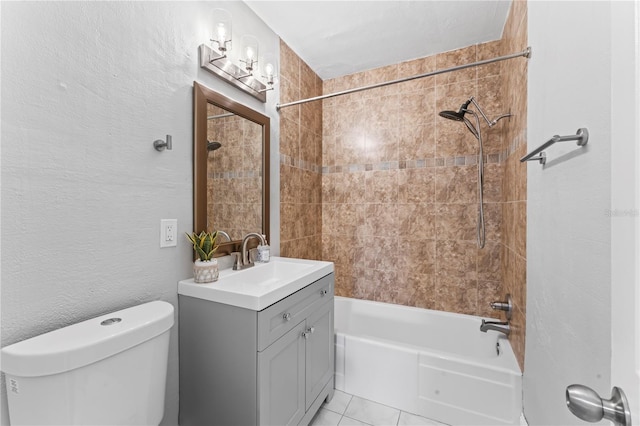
{"x":586,"y":404}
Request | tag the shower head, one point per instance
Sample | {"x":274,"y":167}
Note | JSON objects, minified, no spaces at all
{"x":456,"y":116}
{"x":213,"y":145}
{"x":452,"y":115}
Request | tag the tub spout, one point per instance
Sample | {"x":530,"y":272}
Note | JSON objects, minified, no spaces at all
{"x":502,"y":327}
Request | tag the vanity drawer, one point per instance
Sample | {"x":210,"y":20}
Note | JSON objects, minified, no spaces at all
{"x":277,"y":319}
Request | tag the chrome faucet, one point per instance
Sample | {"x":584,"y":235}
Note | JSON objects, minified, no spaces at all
{"x":500,"y":326}
{"x":244,"y":261}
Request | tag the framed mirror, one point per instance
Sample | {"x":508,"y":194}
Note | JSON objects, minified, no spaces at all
{"x":230,"y":168}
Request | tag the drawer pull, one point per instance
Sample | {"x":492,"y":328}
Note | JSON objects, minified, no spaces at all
{"x":323,"y":292}
{"x":286,"y":316}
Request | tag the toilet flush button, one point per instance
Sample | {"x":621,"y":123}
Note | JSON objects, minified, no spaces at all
{"x":111,"y":321}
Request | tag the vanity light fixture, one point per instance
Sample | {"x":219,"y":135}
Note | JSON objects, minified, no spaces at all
{"x":247,"y":75}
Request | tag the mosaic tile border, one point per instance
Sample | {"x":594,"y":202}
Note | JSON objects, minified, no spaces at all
{"x":300,"y":164}
{"x":235,"y":174}
{"x":467,"y":160}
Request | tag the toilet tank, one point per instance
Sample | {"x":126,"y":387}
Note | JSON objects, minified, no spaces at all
{"x":110,"y":370}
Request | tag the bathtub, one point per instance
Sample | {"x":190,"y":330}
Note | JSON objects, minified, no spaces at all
{"x":435,"y":364}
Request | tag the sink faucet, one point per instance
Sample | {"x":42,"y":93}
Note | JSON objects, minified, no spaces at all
{"x":244,"y":261}
{"x":502,"y":327}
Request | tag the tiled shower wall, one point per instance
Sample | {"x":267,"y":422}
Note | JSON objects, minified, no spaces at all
{"x":300,"y":159}
{"x":399,"y":199}
{"x":514,"y":189}
{"x":397,"y":206}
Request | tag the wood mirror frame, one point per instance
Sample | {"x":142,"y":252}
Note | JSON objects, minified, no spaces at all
{"x":202,"y":96}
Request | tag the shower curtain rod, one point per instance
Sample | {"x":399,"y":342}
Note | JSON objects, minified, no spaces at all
{"x":526,"y":53}
{"x":227,"y":114}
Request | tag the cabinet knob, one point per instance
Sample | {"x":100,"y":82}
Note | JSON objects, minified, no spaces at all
{"x":308,"y":332}
{"x":323,"y":292}
{"x":286,"y":316}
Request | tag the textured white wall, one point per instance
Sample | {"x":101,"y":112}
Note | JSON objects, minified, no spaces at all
{"x":568,"y":235}
{"x":86,"y":88}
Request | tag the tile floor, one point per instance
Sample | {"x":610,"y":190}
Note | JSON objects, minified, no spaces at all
{"x":350,"y":410}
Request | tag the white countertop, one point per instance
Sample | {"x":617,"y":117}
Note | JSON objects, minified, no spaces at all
{"x":259,"y":286}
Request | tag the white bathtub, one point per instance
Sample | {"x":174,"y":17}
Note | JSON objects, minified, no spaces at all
{"x":435,"y":364}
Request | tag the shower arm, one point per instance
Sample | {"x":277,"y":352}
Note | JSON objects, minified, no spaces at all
{"x":490,"y":123}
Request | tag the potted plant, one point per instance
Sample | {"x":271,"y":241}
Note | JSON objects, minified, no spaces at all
{"x":205,"y":268}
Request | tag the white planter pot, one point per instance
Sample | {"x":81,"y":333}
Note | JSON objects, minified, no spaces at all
{"x":205,"y":272}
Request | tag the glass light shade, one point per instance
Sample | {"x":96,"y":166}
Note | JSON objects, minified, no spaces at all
{"x":221,"y":31}
{"x":269,"y":69}
{"x":249,"y":52}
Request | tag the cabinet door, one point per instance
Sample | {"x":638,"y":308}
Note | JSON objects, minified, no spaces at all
{"x":320,"y":351}
{"x":281,"y":380}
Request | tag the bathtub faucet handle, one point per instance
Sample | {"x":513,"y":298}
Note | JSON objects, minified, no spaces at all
{"x":506,"y":306}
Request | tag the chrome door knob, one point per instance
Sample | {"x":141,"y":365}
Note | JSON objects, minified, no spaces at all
{"x":586,"y":404}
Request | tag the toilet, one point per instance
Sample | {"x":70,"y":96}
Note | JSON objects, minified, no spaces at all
{"x":110,"y":370}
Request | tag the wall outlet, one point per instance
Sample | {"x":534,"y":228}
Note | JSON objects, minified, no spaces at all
{"x":168,"y":232}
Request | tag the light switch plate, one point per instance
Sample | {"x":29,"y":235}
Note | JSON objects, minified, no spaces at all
{"x":168,"y":232}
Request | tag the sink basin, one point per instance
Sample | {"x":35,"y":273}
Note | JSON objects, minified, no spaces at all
{"x":260,"y":286}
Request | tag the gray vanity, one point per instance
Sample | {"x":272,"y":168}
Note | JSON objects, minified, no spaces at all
{"x":257,"y":347}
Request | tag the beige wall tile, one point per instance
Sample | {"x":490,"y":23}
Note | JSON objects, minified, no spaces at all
{"x":417,"y":221}
{"x":416,"y":141}
{"x":456,"y":221}
{"x":458,"y":295}
{"x":453,"y":58}
{"x":419,"y":289}
{"x":417,"y":185}
{"x":381,"y":186}
{"x":457,"y":259}
{"x":457,"y":184}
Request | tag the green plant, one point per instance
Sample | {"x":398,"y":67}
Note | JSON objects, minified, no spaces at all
{"x":204,"y":244}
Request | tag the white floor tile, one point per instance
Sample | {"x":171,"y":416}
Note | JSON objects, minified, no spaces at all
{"x":346,"y":421}
{"x":408,"y":419}
{"x":325,"y":418}
{"x":371,"y":412}
{"x":339,"y":402}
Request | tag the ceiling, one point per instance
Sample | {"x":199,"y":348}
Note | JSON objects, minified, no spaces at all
{"x":337,"y":38}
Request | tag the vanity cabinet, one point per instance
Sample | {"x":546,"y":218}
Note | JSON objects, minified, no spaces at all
{"x":244,"y":367}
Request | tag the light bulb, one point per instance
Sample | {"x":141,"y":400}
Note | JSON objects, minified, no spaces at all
{"x":222,"y":34}
{"x":268,"y":69}
{"x":250,"y":52}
